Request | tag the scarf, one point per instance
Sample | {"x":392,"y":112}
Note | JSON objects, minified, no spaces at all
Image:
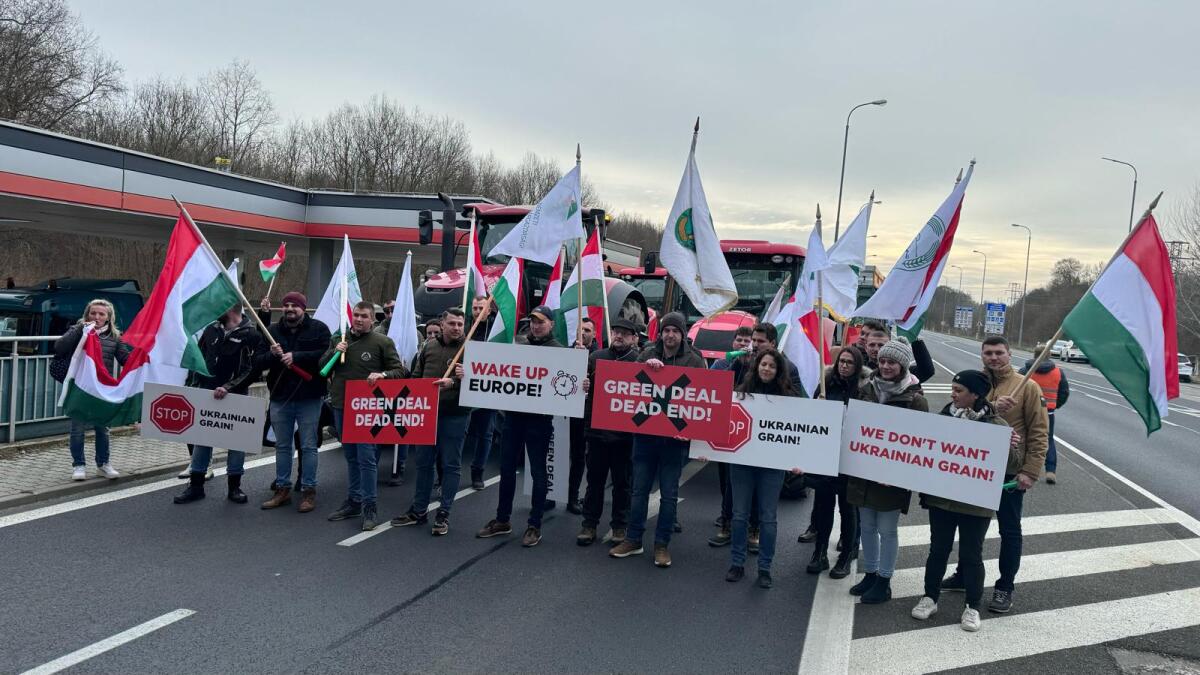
{"x":967,"y":413}
{"x":887,"y":389}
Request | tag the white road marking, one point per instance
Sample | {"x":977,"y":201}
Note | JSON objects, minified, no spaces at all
{"x":943,"y":367}
{"x":126,"y":493}
{"x":80,"y":655}
{"x":948,"y":647}
{"x":433,"y":507}
{"x":830,"y":623}
{"x":918,"y":535}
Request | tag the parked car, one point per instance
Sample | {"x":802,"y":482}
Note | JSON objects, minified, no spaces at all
{"x":1059,"y":350}
{"x":1075,"y":354}
{"x":52,"y":307}
{"x":1186,"y":368}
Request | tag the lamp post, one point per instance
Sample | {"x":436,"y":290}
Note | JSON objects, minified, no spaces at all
{"x":960,"y":275}
{"x":1025,"y":288}
{"x":837,"y":221}
{"x":982,"y":287}
{"x":1133,"y":201}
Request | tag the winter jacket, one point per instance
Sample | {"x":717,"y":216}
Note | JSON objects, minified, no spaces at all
{"x":607,"y":354}
{"x":837,"y":389}
{"x":872,"y":495}
{"x":740,"y":368}
{"x":365,"y":354}
{"x":230,"y":357}
{"x":922,"y":364}
{"x":1045,"y":368}
{"x":1028,"y":418}
{"x":686,"y":356}
{"x":110,"y":346}
{"x":432,"y":360}
{"x":306,"y":342}
{"x":933,"y":501}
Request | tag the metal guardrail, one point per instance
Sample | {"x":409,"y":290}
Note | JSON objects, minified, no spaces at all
{"x":30,"y":394}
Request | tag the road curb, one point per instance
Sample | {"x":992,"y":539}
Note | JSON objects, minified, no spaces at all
{"x":90,"y":485}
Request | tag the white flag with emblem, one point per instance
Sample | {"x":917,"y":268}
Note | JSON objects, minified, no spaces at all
{"x":847,"y":257}
{"x":555,"y":219}
{"x":333,"y":302}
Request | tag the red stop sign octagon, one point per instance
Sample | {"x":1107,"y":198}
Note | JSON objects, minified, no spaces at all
{"x":172,"y":414}
{"x":739,"y":429}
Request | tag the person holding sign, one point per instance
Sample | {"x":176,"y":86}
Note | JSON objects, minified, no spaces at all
{"x":880,"y":506}
{"x":372,"y":357}
{"x":230,"y":347}
{"x":968,"y":401}
{"x":757,"y":487}
{"x":659,"y":457}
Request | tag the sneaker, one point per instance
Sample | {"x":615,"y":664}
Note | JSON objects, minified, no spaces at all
{"x":618,"y":535}
{"x":735,"y":573}
{"x":208,"y":475}
{"x":752,"y":544}
{"x":441,"y":524}
{"x":625,"y":549}
{"x":764,"y":579}
{"x":533,"y":536}
{"x":721,"y":538}
{"x":677,"y":527}
{"x":410,"y":518}
{"x":108,"y":472}
{"x":1001,"y":602}
{"x":970,"y":620}
{"x":1051,"y":479}
{"x":348,"y":509}
{"x":574,"y":506}
{"x":370,"y":516}
{"x":185,"y":474}
{"x":879,"y":592}
{"x":80,"y":473}
{"x":954,"y":584}
{"x":866,"y":583}
{"x":808,"y":536}
{"x":662,"y":556}
{"x":586,"y":536}
{"x":494,"y":528}
{"x":926,"y":608}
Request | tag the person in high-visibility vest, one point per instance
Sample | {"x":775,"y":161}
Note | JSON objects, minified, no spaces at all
{"x":1055,"y":392}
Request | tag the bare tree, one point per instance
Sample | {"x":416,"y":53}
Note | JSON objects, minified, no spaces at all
{"x":241,"y":108}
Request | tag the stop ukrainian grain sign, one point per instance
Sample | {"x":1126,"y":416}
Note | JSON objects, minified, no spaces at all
{"x":190,"y":415}
{"x":779,"y":432}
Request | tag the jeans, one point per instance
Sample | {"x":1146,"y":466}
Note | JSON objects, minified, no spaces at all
{"x":202,"y":457}
{"x":610,"y":457}
{"x":479,"y":437}
{"x":757,"y":488}
{"x":971,"y":532}
{"x":825,"y":494}
{"x":451,"y":429}
{"x":727,"y":497}
{"x":578,"y":459}
{"x":302,"y":416}
{"x":662,"y":458}
{"x":880,"y":540}
{"x":362,"y":467}
{"x":78,"y":427}
{"x":1051,"y":450}
{"x":529,"y":434}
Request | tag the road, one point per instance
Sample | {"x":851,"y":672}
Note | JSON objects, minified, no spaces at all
{"x":126,"y":581}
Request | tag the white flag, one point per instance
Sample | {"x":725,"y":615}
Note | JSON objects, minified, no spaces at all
{"x":690,"y":249}
{"x":233,"y":273}
{"x":847,"y":257}
{"x":403,"y":328}
{"x":802,"y":339}
{"x":555,"y":219}
{"x":328,"y":311}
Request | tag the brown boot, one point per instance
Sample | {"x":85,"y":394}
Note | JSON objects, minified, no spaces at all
{"x":283,"y":495}
{"x":308,"y":500}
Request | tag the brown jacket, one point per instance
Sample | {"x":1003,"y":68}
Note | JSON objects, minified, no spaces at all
{"x":432,"y":360}
{"x":1028,"y":418}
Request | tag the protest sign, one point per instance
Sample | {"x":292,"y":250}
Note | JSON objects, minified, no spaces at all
{"x":558,"y":462}
{"x":935,"y":454}
{"x":780,"y":432}
{"x":689,"y":402}
{"x":190,"y":415}
{"x":390,"y":412}
{"x":524,"y":378}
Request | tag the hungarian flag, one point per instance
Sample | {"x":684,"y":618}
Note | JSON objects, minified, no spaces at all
{"x":802,"y":339}
{"x":908,"y":290}
{"x":475,"y":284}
{"x":507,"y":296}
{"x":591,"y":268}
{"x":343,"y":292}
{"x":555,"y":219}
{"x":1126,"y":324}
{"x":553,"y":296}
{"x":267,"y":268}
{"x":192,"y":291}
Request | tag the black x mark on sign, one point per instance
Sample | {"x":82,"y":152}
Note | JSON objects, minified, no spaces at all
{"x":396,"y":402}
{"x":662,"y":401}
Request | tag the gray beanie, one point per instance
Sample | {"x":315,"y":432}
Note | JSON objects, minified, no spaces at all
{"x":898,"y":350}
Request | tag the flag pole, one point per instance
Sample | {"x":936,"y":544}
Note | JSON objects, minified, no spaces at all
{"x":579,"y":292}
{"x":466,"y":339}
{"x":466,"y":308}
{"x":303,"y":374}
{"x":272,"y":284}
{"x":607,"y":321}
{"x":345,"y":300}
{"x":1039,"y":358}
{"x":820,"y":321}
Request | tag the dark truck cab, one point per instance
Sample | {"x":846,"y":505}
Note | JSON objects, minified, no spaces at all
{"x":52,"y":307}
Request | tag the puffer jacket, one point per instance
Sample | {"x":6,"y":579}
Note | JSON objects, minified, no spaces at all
{"x":432,"y":360}
{"x":686,"y":356}
{"x":1028,"y":418}
{"x":932,"y":501}
{"x":867,"y":493}
{"x":111,"y":347}
{"x":230,"y":357}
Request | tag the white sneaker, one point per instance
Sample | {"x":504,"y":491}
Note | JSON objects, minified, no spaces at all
{"x":185,"y":474}
{"x":208,"y":475}
{"x":925,"y":609}
{"x":79,"y":473}
{"x":970,"y":620}
{"x":108,"y":472}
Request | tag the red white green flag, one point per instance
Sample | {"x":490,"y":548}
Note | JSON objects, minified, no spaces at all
{"x":506,"y":294}
{"x":267,"y":268}
{"x":475,"y":285}
{"x":591,"y":268}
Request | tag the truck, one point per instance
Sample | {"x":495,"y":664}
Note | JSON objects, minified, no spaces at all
{"x":51,"y":307}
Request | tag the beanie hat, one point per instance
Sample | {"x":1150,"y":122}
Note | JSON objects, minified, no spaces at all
{"x":898,"y":350}
{"x":674,"y":319}
{"x":296,"y":298}
{"x":975,"y":381}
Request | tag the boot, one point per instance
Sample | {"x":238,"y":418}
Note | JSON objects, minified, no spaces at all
{"x":841,"y":569}
{"x":865,"y":584}
{"x":235,"y":489}
{"x":477,"y":479}
{"x":283,"y":495}
{"x":879,"y":593}
{"x":194,"y":491}
{"x":308,"y":500}
{"x":819,"y":562}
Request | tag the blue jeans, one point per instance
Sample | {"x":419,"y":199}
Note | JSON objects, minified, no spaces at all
{"x":880,"y":540}
{"x":202,"y":457}
{"x":662,"y":458}
{"x":286,"y":418}
{"x":755,"y":489}
{"x":362,"y":467}
{"x":1051,"y":450}
{"x":450,"y":432}
{"x":528,"y":434}
{"x":78,"y":427}
{"x":479,"y":438}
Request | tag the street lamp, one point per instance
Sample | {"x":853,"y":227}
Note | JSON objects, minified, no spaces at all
{"x":837,"y":221}
{"x":1132,"y":202}
{"x":1025,"y":288}
{"x":982,"y":286}
{"x":960,"y":271}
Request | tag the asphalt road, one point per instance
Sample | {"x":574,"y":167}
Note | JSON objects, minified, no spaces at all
{"x":1110,"y":578}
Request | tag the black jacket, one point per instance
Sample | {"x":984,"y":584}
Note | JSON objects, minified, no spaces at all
{"x":231,"y":357}
{"x":604,"y":435}
{"x":922,"y":366}
{"x":110,"y":346}
{"x":306,"y":342}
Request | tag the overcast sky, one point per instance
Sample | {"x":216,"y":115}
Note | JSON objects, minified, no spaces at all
{"x":1037,"y":92}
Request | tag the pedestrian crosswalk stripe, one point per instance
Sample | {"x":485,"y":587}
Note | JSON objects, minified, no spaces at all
{"x":918,"y":535}
{"x":947,"y":647}
{"x":1046,"y":566}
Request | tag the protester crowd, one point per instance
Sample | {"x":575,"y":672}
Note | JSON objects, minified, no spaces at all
{"x":876,"y":368}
